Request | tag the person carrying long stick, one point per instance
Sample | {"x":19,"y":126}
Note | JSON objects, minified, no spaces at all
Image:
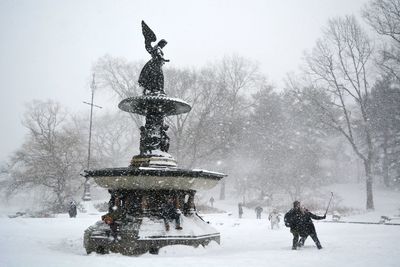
{"x":301,"y":225}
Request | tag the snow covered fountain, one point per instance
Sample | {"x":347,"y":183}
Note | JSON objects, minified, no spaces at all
{"x":140,"y":194}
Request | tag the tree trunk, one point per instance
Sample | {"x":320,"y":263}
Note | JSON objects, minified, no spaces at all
{"x":60,"y":202}
{"x":222,"y":192}
{"x":368,"y":177}
{"x":385,"y":161}
{"x":368,"y":170}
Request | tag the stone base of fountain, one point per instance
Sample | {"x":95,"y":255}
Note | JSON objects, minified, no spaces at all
{"x":160,"y":159}
{"x":136,"y":222}
{"x":139,"y":235}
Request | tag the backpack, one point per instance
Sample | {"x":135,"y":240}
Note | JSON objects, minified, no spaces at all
{"x":288,"y":219}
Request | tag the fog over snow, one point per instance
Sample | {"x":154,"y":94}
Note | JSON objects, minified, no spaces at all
{"x":244,"y":242}
{"x":47,"y":48}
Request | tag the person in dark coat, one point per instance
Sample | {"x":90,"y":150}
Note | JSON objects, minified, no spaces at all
{"x":170,"y":212}
{"x":72,"y":211}
{"x":298,"y":219}
{"x":115,"y":214}
{"x":258,"y":211}
{"x":308,"y":228}
{"x":212,"y":202}
{"x":240,"y":207}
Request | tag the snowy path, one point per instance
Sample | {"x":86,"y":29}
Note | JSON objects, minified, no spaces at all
{"x":57,"y":242}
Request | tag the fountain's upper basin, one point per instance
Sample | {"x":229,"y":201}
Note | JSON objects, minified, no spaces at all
{"x":154,"y":178}
{"x":165,"y":105}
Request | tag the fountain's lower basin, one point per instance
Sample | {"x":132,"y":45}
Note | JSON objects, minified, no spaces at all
{"x":154,"y":178}
{"x":138,"y":235}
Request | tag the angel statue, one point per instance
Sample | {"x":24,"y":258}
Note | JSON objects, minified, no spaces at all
{"x":151,"y":77}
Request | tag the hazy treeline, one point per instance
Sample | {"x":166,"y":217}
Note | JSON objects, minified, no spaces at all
{"x":336,"y":120}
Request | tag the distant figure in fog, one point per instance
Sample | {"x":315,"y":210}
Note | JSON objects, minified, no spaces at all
{"x":258,"y":210}
{"x":274,"y":218}
{"x":212,"y":202}
{"x":72,"y":211}
{"x":240,"y":206}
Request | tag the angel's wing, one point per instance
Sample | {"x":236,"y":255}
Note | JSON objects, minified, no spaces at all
{"x":149,"y":36}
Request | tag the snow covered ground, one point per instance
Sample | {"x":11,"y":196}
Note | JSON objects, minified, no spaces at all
{"x":245,"y":242}
{"x":57,"y":242}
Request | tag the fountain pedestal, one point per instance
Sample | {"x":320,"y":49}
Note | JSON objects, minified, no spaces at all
{"x":136,"y":222}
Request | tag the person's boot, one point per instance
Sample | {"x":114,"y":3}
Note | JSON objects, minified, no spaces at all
{"x":318,"y":244}
{"x":316,"y":240}
{"x":167,"y":227}
{"x":301,"y":242}
{"x":295,"y":244}
{"x":178,"y":227}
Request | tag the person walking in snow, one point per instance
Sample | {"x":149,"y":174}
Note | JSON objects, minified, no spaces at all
{"x":300,"y":223}
{"x":240,"y":207}
{"x":258,"y":211}
{"x":274,"y":218}
{"x":72,"y":210}
{"x":212,"y":202}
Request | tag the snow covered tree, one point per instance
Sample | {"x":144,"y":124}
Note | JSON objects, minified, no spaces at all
{"x":384,"y":17}
{"x":305,"y":148}
{"x":286,"y":142}
{"x":385,"y":117}
{"x":264,"y":142}
{"x":218,"y":117}
{"x":51,"y":158}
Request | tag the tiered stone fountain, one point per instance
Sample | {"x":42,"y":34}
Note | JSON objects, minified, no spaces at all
{"x":134,"y":223}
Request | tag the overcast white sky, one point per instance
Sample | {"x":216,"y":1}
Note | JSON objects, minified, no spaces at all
{"x":47,"y":48}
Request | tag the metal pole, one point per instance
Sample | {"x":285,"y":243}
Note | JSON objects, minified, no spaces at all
{"x":93,"y":86}
{"x":329,"y":203}
{"x":86,"y":193}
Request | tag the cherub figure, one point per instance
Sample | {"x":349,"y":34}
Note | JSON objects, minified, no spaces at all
{"x":164,"y":142}
{"x":151,"y":77}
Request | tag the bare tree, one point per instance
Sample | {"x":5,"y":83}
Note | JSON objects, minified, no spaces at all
{"x":339,"y":67}
{"x":183,"y":84}
{"x":286,"y":142}
{"x":384,"y":17}
{"x":51,"y":158}
{"x":216,"y":93}
{"x":119,"y":77}
{"x":114,"y":140}
{"x":219,"y":116}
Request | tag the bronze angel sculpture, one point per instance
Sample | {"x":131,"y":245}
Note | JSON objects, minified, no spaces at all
{"x":151,"y":77}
